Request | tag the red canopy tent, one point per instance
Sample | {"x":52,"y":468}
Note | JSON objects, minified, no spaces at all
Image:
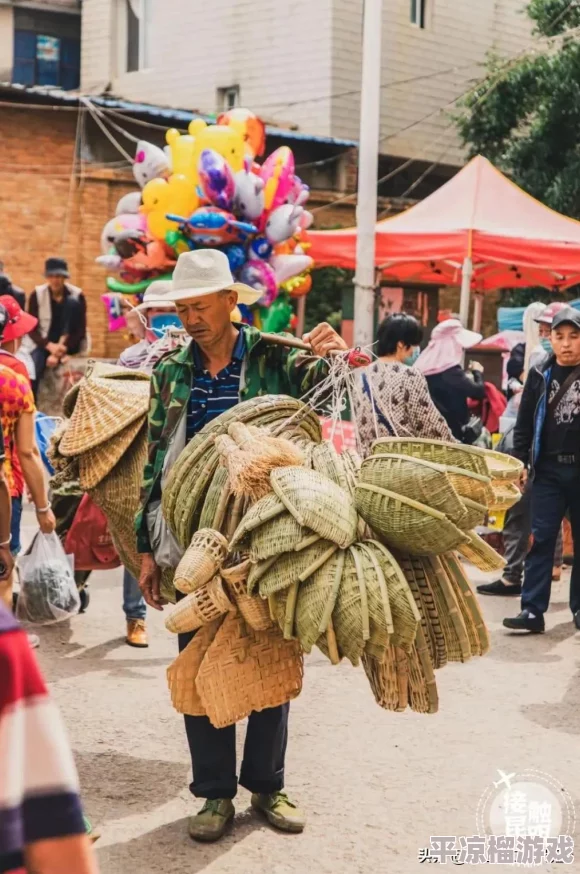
{"x":478,"y":230}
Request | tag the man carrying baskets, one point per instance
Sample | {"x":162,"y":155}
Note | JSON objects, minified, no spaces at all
{"x":224,"y":364}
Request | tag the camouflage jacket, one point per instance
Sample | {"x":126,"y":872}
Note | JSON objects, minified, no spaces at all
{"x":267,"y":370}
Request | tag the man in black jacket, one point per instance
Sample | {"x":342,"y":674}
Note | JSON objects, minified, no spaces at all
{"x":547,"y":440}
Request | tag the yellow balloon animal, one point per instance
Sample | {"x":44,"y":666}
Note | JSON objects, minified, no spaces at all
{"x":226,"y":141}
{"x":161,"y":196}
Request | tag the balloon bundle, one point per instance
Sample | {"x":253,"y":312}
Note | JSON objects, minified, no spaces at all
{"x":206,"y":189}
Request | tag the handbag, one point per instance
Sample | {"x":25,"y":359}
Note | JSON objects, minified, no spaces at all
{"x":89,"y":539}
{"x":166,"y":550}
{"x":472,"y":431}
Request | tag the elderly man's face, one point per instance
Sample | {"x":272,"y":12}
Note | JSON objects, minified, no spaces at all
{"x":56,"y":284}
{"x":206,"y":319}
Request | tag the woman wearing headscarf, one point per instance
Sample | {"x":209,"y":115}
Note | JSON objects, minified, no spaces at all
{"x":393,"y":399}
{"x":450,"y":387}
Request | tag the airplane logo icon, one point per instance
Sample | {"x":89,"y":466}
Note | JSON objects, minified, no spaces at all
{"x":506,"y":779}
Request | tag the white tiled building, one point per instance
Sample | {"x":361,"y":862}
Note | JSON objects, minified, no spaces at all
{"x":299,"y":62}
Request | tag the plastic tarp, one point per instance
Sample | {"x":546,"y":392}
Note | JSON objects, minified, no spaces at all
{"x":512,"y":239}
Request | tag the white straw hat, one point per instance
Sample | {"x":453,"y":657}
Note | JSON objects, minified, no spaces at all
{"x":207,"y":271}
{"x":157,"y":296}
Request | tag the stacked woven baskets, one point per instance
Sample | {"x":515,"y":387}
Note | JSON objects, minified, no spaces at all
{"x":289,"y":545}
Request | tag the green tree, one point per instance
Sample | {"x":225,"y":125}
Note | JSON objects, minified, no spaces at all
{"x":324,"y":302}
{"x":526,"y":116}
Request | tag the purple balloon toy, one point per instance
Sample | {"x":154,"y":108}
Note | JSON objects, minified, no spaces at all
{"x":216,"y":179}
{"x":259,"y":275}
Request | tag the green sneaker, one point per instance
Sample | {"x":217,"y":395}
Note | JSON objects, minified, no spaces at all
{"x":280,"y":811}
{"x":212,"y":820}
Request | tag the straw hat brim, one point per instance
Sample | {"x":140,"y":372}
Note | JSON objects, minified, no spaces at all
{"x":246,"y":294}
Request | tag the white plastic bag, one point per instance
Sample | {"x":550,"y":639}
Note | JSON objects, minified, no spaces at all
{"x":48,"y":591}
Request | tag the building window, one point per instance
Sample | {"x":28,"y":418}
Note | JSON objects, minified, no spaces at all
{"x":138,"y":34}
{"x":419,"y":13}
{"x":44,"y":59}
{"x":228,"y":98}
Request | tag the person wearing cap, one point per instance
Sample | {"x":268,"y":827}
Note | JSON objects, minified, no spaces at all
{"x":225,"y":363}
{"x":60,"y":309}
{"x":547,"y":441}
{"x":449,"y":385}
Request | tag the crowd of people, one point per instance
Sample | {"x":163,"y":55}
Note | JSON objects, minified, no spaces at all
{"x":438,"y":393}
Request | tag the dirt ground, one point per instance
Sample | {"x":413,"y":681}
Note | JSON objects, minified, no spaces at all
{"x":375,"y":785}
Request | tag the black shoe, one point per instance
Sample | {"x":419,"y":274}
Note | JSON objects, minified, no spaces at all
{"x":525,"y":622}
{"x":577,"y":619}
{"x":500,"y":588}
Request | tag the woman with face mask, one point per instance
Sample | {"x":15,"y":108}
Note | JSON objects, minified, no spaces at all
{"x":392,"y":398}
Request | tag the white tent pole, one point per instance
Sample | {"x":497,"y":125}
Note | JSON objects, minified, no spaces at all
{"x":366,"y":210}
{"x":466,"y":274}
{"x":478,"y":313}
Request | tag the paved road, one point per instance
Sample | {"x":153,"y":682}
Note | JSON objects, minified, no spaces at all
{"x":375,"y":785}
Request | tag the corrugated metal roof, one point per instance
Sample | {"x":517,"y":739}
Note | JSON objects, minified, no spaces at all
{"x":165,"y":112}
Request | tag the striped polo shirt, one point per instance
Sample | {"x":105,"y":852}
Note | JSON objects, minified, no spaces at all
{"x":212,"y":395}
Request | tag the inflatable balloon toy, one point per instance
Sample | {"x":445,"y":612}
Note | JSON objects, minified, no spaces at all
{"x":183,"y":156}
{"x":216,"y":180}
{"x":259,"y":275}
{"x":142,"y":257}
{"x":116,"y":316}
{"x":226,"y":141}
{"x":178,"y":242}
{"x":127,"y":221}
{"x":277,"y":317}
{"x":260,"y":247}
{"x":300,"y":192}
{"x":247,"y":314}
{"x":236,"y":255}
{"x":297,"y":286}
{"x":249,"y":194}
{"x":283,"y":222}
{"x":209,"y":226}
{"x":151,"y":162}
{"x":249,"y":127}
{"x":278,"y":175}
{"x":129,"y":204}
{"x":162,"y":196}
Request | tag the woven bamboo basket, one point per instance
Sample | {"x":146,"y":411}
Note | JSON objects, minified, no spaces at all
{"x":118,"y":496}
{"x":192,"y":496}
{"x":406,"y":524}
{"x":253,"y":609}
{"x":481,"y":554}
{"x":404,"y":612}
{"x":282,"y":534}
{"x":505,"y":495}
{"x":200,"y":607}
{"x":326,"y":460}
{"x":96,"y":463}
{"x":381,"y":628}
{"x":426,"y":607}
{"x":475,"y":515}
{"x":452,"y":623}
{"x":281,"y":572}
{"x":423,"y":696}
{"x":350,"y":616}
{"x":423,"y":481}
{"x":216,"y":500}
{"x":438,"y":451}
{"x":262,"y":511}
{"x":182,"y":673}
{"x":317,"y":503}
{"x":458,"y":578}
{"x":202,"y":559}
{"x":499,"y":465}
{"x":104,"y":408}
{"x":250,"y":454}
{"x":245,"y":671}
{"x":316,"y":601}
{"x":466,"y":613}
{"x":472,"y":486}
{"x":382,"y":677}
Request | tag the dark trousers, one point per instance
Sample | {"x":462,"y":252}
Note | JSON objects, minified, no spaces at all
{"x":556,"y":489}
{"x":516,"y":538}
{"x":39,"y":356}
{"x":213,"y":751}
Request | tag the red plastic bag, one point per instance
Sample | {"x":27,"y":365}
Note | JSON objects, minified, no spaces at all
{"x":89,"y":539}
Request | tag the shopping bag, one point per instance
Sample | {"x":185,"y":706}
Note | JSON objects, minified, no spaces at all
{"x":89,"y":539}
{"x":48,"y":592}
{"x":44,"y":427}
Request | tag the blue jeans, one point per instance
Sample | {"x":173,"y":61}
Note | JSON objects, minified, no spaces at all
{"x":15,"y":544}
{"x":556,"y":488}
{"x":134,"y":604}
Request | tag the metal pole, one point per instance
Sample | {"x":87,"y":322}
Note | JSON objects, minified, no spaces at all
{"x":478,"y":313}
{"x":466,"y":274}
{"x":366,"y":211}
